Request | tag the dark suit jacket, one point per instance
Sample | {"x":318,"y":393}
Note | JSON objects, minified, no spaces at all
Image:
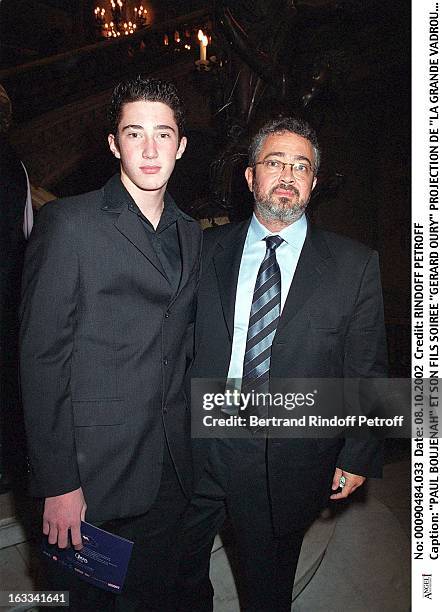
{"x":103,"y":353}
{"x":331,"y":326}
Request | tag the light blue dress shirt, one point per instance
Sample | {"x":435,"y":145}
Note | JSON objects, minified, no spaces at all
{"x":287,"y":255}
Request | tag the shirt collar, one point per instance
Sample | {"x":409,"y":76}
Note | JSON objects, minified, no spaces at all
{"x":116,"y":197}
{"x":294,"y":234}
{"x":168,"y":216}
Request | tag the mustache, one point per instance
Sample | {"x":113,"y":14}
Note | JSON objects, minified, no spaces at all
{"x":286,"y":188}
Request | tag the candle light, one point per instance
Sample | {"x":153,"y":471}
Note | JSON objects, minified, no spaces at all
{"x":120,"y":26}
{"x":166,"y":40}
{"x":203,"y":45}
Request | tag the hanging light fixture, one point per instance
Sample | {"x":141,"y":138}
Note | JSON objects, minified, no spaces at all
{"x":119,"y":23}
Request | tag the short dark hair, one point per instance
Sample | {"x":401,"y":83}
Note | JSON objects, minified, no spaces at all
{"x":149,"y":90}
{"x":279,"y":126}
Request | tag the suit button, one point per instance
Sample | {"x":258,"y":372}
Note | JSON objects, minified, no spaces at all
{"x":165,"y":361}
{"x":167,"y":315}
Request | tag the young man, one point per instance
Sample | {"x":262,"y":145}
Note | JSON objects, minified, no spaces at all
{"x":278,"y":299}
{"x":107,"y":319}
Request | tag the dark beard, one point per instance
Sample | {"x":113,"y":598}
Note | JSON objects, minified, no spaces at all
{"x":286,"y":211}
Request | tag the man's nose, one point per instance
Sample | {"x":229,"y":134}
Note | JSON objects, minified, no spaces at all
{"x":150,"y":148}
{"x":286,"y":175}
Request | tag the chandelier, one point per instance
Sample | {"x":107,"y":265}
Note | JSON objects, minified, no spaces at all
{"x":118,"y":20}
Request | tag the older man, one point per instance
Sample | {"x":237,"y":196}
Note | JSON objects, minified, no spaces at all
{"x":278,"y":298}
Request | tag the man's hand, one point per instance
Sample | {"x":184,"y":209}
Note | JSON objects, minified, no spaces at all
{"x":62,"y":513}
{"x":352,"y":482}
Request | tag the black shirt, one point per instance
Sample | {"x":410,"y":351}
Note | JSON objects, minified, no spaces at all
{"x":164,"y":239}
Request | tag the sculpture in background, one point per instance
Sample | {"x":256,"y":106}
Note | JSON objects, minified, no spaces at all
{"x":272,"y":65}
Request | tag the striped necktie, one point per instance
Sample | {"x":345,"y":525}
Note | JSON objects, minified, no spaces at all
{"x":264,"y":317}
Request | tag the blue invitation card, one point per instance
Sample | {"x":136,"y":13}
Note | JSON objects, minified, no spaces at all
{"x":102,"y":561}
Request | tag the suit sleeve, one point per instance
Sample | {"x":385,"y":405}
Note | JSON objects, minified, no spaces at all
{"x":365,"y":356}
{"x":49,"y":302}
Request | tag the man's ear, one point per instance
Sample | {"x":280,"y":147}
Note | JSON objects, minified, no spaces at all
{"x":113,"y":145}
{"x":181,"y":148}
{"x":249,"y":174}
{"x":314,"y":182}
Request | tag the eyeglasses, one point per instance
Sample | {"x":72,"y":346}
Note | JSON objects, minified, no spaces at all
{"x":300,"y":169}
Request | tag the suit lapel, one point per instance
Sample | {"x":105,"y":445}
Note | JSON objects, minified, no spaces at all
{"x":116,"y":200}
{"x":189,"y":247}
{"x":313,"y":262}
{"x":130,"y":226}
{"x":227,"y":261}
